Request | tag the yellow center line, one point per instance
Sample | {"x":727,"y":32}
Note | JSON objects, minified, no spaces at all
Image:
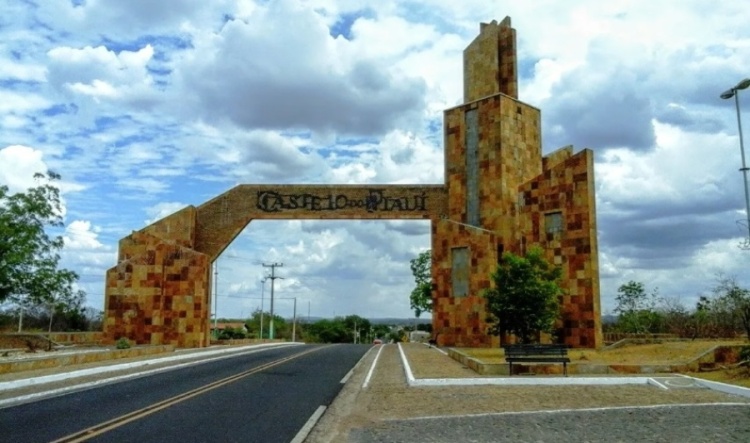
{"x":114,"y":423}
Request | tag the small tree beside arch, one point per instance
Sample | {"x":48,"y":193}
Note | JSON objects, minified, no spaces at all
{"x":524,"y":299}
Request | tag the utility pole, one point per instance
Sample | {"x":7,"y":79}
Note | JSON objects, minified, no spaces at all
{"x":294,"y":321}
{"x":262,"y":295}
{"x":216,"y":297}
{"x":273,"y":278}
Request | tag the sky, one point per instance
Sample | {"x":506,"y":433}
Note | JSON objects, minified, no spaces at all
{"x":145,"y":107}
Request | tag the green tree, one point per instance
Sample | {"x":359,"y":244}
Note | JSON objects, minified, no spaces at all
{"x":357,"y":327}
{"x":636,"y":308}
{"x":281,"y":328}
{"x":420,"y":298}
{"x":328,"y":331}
{"x":734,"y":301}
{"x":524,"y":299}
{"x":381,"y":331}
{"x":29,"y":256}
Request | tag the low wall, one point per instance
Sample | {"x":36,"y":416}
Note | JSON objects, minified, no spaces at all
{"x":77,"y":358}
{"x":77,"y":338}
{"x":714,"y":356}
{"x":245,"y":341}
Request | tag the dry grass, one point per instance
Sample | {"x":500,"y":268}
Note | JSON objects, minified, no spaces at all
{"x":739,"y":376}
{"x":668,"y":352}
{"x":665,"y":353}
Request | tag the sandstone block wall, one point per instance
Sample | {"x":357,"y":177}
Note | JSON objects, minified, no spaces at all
{"x":501,"y":190}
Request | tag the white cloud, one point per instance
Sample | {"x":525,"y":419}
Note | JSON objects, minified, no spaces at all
{"x":182,"y":100}
{"x":81,"y":235}
{"x":324,"y":87}
{"x":11,"y":101}
{"x":18,"y":164}
{"x":101,"y":73}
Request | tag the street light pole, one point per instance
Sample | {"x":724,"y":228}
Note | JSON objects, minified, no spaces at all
{"x":726,"y":95}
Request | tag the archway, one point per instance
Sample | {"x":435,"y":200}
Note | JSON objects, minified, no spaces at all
{"x":500,"y":194}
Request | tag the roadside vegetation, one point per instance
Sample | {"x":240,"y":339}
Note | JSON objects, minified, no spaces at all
{"x":32,"y":283}
{"x":346,"y":329}
{"x":724,"y":312}
{"x":420,"y":299}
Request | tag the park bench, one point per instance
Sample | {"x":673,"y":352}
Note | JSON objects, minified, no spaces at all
{"x":536,"y":353}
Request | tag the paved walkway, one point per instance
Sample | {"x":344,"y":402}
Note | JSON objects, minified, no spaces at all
{"x":386,"y":407}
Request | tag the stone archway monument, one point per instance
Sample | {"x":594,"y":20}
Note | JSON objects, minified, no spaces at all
{"x":500,"y":194}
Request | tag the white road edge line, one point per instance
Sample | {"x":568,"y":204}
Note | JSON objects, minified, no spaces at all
{"x":15,"y":401}
{"x":372,"y":367}
{"x":311,"y":422}
{"x":407,"y":368}
{"x":351,"y":371}
{"x":35,"y":381}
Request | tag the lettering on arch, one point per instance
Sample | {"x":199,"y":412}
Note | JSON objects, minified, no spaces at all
{"x":374,"y":200}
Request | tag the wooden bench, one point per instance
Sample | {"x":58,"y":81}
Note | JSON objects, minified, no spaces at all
{"x":536,"y":353}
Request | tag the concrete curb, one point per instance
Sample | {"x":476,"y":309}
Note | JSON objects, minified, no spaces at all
{"x":563,"y":381}
{"x":721,"y":387}
{"x":36,"y":381}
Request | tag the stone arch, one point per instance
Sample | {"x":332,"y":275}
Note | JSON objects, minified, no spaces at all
{"x":500,"y":194}
{"x":160,"y":291}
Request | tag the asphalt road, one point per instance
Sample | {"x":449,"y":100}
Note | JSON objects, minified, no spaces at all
{"x":266,"y":396}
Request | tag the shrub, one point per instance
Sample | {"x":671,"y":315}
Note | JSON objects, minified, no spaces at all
{"x":230,"y":333}
{"x":745,"y":353}
{"x":122,"y":343}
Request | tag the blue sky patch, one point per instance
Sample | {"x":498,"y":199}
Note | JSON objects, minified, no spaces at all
{"x":343,"y":26}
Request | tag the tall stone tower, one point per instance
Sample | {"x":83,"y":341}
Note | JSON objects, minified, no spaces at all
{"x":503,"y":195}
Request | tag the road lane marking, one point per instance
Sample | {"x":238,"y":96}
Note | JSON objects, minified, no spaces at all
{"x":224,"y":353}
{"x":15,"y":401}
{"x":351,"y":371}
{"x":372,"y":367}
{"x":117,"y":422}
{"x":311,"y":422}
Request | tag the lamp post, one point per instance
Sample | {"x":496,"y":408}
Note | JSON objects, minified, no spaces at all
{"x":744,"y":84}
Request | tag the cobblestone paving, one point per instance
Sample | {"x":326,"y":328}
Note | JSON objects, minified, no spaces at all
{"x":684,"y":424}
